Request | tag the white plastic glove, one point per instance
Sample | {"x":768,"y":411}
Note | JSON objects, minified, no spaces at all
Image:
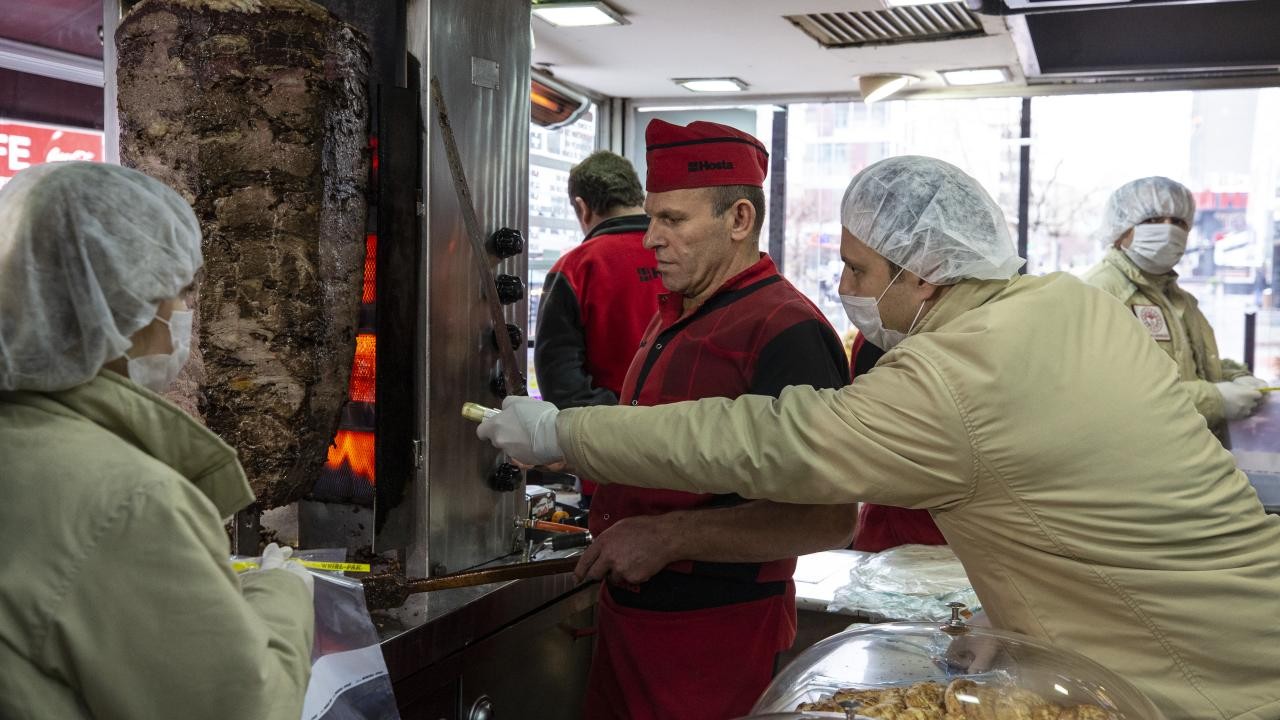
{"x":1251,"y":382}
{"x":525,"y":430}
{"x":275,"y":557}
{"x":1239,"y":401}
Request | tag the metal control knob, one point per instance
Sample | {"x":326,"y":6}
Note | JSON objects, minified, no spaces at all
{"x":510,"y":289}
{"x":481,"y":710}
{"x":515,"y":333}
{"x":506,"y":242}
{"x":498,"y":384}
{"x":505,"y":477}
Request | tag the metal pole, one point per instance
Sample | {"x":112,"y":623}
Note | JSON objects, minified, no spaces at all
{"x":1024,"y":181}
{"x":1250,"y":338}
{"x":778,"y":190}
{"x":111,"y":11}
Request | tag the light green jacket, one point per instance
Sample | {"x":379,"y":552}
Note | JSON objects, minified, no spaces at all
{"x":117,"y":600}
{"x":1189,"y":339}
{"x":1089,"y":503}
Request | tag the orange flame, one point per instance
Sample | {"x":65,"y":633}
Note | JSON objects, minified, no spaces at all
{"x":369,"y":292}
{"x":354,"y":449}
{"x":364,"y":369}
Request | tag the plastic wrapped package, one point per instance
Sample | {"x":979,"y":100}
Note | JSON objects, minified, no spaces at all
{"x":947,"y":671}
{"x":349,"y":678}
{"x":911,"y":582}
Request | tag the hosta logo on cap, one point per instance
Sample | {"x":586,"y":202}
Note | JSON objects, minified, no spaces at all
{"x":701,"y":165}
{"x":702,"y":154}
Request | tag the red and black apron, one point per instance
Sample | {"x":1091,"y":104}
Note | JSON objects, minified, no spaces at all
{"x":699,"y":640}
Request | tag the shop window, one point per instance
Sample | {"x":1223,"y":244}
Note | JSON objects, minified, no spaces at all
{"x":553,"y":228}
{"x":1222,"y":144}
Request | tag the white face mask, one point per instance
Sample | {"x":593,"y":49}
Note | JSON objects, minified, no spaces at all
{"x":1157,"y":247}
{"x":864,"y":313}
{"x":157,"y":372}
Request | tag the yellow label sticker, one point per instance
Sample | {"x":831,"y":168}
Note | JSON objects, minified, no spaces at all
{"x":242,"y":565}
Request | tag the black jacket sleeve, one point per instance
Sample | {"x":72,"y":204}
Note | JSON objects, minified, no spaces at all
{"x":807,"y":353}
{"x":866,"y":358}
{"x":560,"y":350}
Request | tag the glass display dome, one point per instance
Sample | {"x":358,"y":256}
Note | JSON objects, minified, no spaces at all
{"x":947,"y":671}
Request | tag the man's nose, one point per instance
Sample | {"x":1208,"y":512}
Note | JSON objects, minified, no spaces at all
{"x":846,"y":286}
{"x":652,"y":240}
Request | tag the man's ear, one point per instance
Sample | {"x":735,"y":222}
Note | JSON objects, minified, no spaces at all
{"x":931,"y":291}
{"x":743,"y":217}
{"x":580,"y":209}
{"x":923,"y":289}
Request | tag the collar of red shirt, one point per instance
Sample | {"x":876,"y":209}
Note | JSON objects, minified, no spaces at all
{"x":671,"y":305}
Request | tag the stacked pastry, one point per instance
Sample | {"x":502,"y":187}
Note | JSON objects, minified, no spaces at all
{"x":960,"y":700}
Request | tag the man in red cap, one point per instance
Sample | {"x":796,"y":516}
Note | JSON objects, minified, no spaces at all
{"x":698,"y":599}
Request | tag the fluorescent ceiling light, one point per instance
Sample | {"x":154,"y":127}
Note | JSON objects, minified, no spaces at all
{"x":909,"y":3}
{"x":878,"y":87}
{"x":976,"y":76}
{"x":578,"y":14}
{"x":712,"y":85}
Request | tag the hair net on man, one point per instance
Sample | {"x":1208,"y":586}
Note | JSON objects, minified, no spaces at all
{"x":1144,"y":199}
{"x":87,"y":253}
{"x":929,"y":217}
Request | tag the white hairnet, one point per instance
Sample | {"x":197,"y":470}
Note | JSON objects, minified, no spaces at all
{"x":1143,"y":199}
{"x":929,"y":217}
{"x":87,"y":252}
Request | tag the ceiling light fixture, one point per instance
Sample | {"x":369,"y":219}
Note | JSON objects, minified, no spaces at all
{"x":578,"y":14}
{"x":711,"y":85}
{"x":975,"y":76}
{"x":878,"y":87}
{"x":910,"y":3}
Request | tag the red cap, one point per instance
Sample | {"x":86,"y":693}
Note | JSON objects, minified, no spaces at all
{"x":703,"y":154}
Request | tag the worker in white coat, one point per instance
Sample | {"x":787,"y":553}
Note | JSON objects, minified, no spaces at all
{"x":1032,"y":416}
{"x":1145,"y":225}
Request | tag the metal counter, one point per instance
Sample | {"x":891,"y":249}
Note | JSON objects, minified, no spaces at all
{"x":452,"y":651}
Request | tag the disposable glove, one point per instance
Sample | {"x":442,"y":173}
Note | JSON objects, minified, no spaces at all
{"x":1238,"y":400}
{"x":525,"y":430}
{"x":1250,"y":382}
{"x":275,"y":557}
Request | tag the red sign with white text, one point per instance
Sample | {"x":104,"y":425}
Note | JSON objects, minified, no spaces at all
{"x":24,"y":144}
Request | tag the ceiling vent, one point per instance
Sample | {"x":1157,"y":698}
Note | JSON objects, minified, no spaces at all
{"x":916,"y":23}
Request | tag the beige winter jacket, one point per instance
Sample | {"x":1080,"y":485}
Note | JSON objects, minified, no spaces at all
{"x":1177,"y":326}
{"x":117,"y":599}
{"x":1035,"y":418}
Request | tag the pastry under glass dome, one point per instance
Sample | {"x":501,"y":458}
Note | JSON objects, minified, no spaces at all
{"x":947,"y":671}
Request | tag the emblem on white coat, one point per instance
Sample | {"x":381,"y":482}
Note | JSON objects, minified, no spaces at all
{"x":1153,"y":320}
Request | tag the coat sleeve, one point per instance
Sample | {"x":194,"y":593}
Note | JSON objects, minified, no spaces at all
{"x":1232,"y":369}
{"x":895,"y":437}
{"x":1207,"y":399}
{"x":155,"y":625}
{"x":560,"y":349}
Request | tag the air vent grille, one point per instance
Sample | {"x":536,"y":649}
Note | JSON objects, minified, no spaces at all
{"x":916,"y":23}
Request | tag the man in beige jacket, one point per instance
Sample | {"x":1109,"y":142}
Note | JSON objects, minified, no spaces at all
{"x":1033,"y":417}
{"x":1146,"y":224}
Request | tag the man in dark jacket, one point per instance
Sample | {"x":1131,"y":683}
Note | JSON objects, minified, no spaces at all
{"x":599,"y":298}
